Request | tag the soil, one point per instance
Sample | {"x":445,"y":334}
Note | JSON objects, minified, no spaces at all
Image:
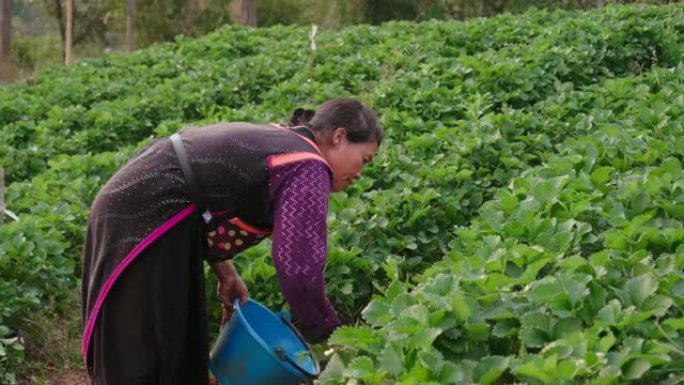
{"x":8,"y":73}
{"x":72,"y":377}
{"x":80,"y":377}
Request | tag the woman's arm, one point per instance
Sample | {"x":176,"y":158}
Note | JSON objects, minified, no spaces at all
{"x":230,"y":286}
{"x":300,"y":244}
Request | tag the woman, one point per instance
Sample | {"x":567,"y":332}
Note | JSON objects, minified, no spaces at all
{"x":209,"y":193}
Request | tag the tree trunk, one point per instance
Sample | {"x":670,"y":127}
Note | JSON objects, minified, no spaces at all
{"x":69,"y":33}
{"x":248,"y":13}
{"x":5,"y":30}
{"x":130,"y":26}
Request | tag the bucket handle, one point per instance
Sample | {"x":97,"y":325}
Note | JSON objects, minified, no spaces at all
{"x":281,"y":353}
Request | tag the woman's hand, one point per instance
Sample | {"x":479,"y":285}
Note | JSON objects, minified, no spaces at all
{"x":230,"y":286}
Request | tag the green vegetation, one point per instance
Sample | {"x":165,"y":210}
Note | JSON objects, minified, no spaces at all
{"x":523,"y":222}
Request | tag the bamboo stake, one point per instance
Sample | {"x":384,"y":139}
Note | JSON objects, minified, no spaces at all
{"x":68,"y":54}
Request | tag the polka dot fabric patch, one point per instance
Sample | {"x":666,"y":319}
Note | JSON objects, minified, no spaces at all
{"x":231,"y":237}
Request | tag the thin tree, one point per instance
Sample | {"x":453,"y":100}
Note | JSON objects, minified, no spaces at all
{"x":130,"y":26}
{"x":248,"y":15}
{"x":5,"y":30}
{"x":68,"y":41}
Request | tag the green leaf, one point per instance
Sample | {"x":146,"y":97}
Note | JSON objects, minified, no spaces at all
{"x":635,"y":368}
{"x":544,"y":192}
{"x":600,"y":176}
{"x":377,"y":313}
{"x":536,"y":329}
{"x":673,"y":167}
{"x":640,"y":202}
{"x":425,"y":338}
{"x":658,"y":304}
{"x":505,"y":328}
{"x":460,"y":305}
{"x":391,"y":360}
{"x":610,"y":314}
{"x":498,"y":281}
{"x":360,"y":337}
{"x":451,"y":374}
{"x":674,"y":323}
{"x":546,"y":290}
{"x":406,"y":325}
{"x":433,"y":360}
{"x":418,"y":312}
{"x":493,"y":217}
{"x":442,"y":285}
{"x":334,"y":369}
{"x":478,"y":332}
{"x":607,"y":375}
{"x":606,"y":342}
{"x":616,"y":239}
{"x":566,"y":326}
{"x":360,"y":367}
{"x":641,"y":287}
{"x":566,"y":369}
{"x":533,"y":269}
{"x":489,"y":369}
{"x":401,"y":302}
{"x":417,"y":375}
{"x":534,"y":369}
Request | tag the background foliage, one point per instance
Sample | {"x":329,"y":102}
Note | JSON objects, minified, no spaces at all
{"x":100,"y":25}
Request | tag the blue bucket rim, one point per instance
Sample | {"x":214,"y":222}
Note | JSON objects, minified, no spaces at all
{"x":260,"y":341}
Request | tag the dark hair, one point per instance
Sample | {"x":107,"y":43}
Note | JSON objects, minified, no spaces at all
{"x":301,"y":117}
{"x":360,"y":121}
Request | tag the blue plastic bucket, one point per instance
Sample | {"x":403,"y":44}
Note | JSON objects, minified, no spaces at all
{"x":256,"y":347}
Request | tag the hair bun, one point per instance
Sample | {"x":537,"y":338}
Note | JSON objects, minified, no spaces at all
{"x":301,"y":117}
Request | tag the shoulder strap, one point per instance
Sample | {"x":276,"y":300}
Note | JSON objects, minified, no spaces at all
{"x":189,"y":176}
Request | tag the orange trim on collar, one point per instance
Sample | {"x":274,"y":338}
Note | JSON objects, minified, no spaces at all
{"x":281,"y":159}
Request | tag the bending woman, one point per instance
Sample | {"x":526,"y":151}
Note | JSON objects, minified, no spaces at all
{"x":208,"y":193}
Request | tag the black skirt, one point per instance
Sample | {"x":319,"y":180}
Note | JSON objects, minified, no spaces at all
{"x":152,"y":328}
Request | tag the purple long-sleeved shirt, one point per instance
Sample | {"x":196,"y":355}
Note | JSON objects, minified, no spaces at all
{"x":299,"y":191}
{"x":300,"y":194}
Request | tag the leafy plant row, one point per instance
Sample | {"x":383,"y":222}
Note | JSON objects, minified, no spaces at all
{"x":114,"y":77}
{"x":571,"y":274}
{"x":40,"y":254}
{"x":122,"y":100}
{"x":421,"y":191}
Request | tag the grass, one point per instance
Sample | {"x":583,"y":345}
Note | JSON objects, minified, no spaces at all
{"x":53,"y":344}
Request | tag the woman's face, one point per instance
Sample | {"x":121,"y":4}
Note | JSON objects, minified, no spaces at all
{"x":346,"y":159}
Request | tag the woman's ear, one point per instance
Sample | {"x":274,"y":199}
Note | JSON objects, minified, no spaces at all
{"x":339,"y":136}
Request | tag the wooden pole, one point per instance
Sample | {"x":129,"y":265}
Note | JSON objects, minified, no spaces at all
{"x":68,"y":56}
{"x":130,"y":26}
{"x":248,"y":16}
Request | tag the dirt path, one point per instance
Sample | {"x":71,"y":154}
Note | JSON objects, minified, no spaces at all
{"x":72,"y":377}
{"x":80,"y":377}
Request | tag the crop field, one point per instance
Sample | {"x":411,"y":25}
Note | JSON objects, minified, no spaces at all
{"x":523,"y":222}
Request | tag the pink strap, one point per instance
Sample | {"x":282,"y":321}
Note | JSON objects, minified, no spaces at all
{"x":153,"y":236}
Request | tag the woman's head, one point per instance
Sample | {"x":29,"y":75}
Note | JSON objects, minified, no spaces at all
{"x":348,"y":134}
